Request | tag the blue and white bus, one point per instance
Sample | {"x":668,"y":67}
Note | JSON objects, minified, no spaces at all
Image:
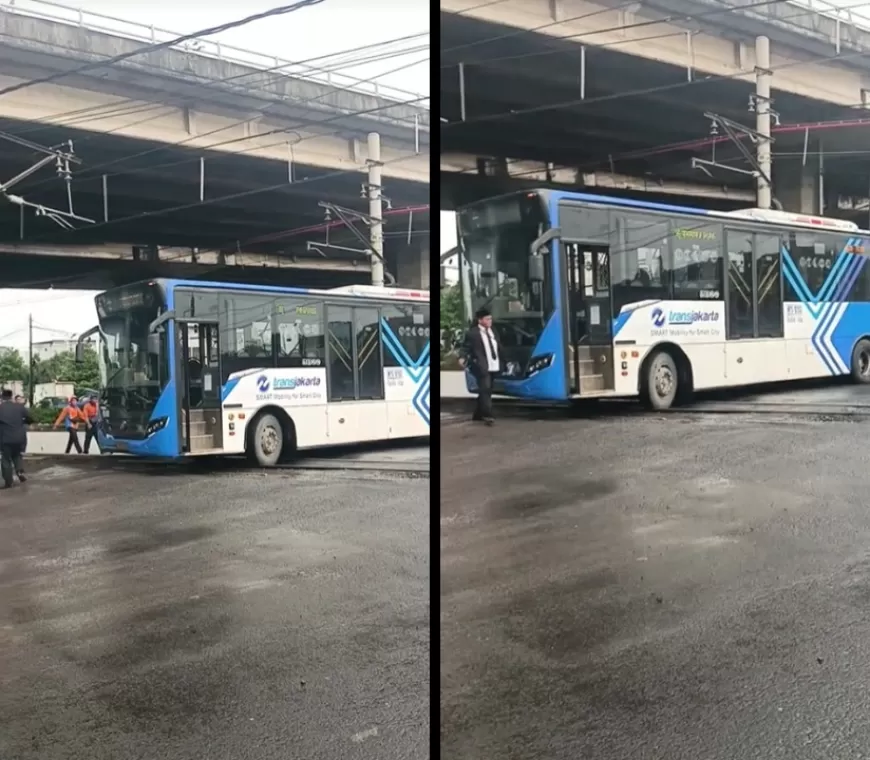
{"x":595,"y":297}
{"x":205,"y":368}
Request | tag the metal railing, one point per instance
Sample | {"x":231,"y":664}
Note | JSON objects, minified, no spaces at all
{"x":132,"y":30}
{"x":850,"y":14}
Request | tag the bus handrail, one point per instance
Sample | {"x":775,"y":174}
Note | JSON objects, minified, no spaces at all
{"x":540,"y":241}
{"x":80,"y":343}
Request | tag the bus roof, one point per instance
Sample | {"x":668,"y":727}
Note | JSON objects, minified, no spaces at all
{"x":756,"y":215}
{"x":359,"y":291}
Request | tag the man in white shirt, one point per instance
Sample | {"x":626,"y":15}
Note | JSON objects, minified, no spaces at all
{"x":482,"y":355}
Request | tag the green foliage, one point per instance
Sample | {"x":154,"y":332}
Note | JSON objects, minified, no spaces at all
{"x":43,"y":416}
{"x":452,"y":326}
{"x":451,"y":309}
{"x":12,"y":365}
{"x":63,"y":368}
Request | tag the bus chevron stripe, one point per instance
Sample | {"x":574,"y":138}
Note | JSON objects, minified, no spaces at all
{"x":418,"y":370}
{"x":829,"y":312}
{"x":421,"y":398}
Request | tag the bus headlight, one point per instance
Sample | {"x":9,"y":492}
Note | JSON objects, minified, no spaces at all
{"x":537,"y":363}
{"x":156,"y":425}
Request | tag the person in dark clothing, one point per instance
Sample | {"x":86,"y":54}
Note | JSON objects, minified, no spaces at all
{"x":482,"y":354}
{"x":91,"y":411}
{"x":21,"y":400}
{"x":13,"y":437}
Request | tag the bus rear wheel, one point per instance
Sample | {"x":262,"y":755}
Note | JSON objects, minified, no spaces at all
{"x":266,"y":441}
{"x":861,"y":361}
{"x":661,"y":383}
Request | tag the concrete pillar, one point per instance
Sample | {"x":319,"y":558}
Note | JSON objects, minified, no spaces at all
{"x":413,"y":270}
{"x":797,"y":186}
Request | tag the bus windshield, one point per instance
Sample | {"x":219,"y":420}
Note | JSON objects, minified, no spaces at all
{"x":494,"y":241}
{"x":132,"y":378}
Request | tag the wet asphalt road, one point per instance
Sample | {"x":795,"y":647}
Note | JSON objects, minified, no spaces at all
{"x":651,"y":587}
{"x":221,"y":616}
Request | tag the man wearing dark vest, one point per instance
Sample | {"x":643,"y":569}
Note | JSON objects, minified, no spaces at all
{"x":13,"y":437}
{"x":482,"y":355}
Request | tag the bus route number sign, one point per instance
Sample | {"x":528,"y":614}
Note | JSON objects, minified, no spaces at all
{"x":794,"y":313}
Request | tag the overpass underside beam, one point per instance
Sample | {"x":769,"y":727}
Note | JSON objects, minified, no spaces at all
{"x":516,"y":173}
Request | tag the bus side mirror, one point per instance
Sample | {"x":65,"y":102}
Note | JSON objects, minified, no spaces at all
{"x":153,"y":343}
{"x":80,"y":353}
{"x":536,"y":268}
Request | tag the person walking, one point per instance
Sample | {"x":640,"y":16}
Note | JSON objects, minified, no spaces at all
{"x":21,"y":400}
{"x":482,"y":354}
{"x":13,"y":438}
{"x":91,"y":411}
{"x":71,"y":415}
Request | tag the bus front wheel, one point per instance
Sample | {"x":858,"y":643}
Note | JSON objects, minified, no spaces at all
{"x":861,"y":361}
{"x":661,"y":383}
{"x":266,"y":441}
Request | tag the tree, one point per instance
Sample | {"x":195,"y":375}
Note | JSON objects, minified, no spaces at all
{"x":63,"y":368}
{"x":12,"y":365}
{"x":452,"y":322}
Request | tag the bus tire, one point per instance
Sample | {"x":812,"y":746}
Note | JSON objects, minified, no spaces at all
{"x":266,"y":441}
{"x":861,"y":361}
{"x":661,"y":381}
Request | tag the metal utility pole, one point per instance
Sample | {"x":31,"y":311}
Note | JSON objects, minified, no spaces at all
{"x":762,"y":120}
{"x":30,"y":358}
{"x":376,"y":212}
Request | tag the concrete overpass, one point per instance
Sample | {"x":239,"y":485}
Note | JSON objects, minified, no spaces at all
{"x":210,"y":150}
{"x":612,"y":90}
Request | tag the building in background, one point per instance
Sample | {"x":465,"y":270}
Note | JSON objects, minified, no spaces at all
{"x":47,"y":349}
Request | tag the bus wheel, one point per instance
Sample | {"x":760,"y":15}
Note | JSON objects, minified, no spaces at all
{"x":266,"y":441}
{"x":861,"y":361}
{"x":661,"y":383}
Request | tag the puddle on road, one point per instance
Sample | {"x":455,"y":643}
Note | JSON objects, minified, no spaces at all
{"x":57,"y":471}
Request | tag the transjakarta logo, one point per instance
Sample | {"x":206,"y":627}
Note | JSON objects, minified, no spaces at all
{"x":292,"y":383}
{"x":286,"y":383}
{"x":674,"y":318}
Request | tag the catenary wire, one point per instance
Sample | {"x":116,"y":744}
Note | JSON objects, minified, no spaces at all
{"x":145,"y":49}
{"x":638,"y":24}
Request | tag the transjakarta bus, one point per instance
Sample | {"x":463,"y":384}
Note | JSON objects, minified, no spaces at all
{"x":192,"y":368}
{"x":595,"y":297}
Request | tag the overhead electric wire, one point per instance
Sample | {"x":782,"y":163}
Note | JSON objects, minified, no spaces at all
{"x":133,"y":105}
{"x":598,"y":46}
{"x":479,"y":6}
{"x":269,"y":237}
{"x":648,"y":90}
{"x":636,"y":25}
{"x":92,"y":171}
{"x":153,"y":48}
{"x":535,"y":29}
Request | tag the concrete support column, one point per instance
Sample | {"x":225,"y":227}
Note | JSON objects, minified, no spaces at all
{"x":797,"y":186}
{"x":413,"y":268}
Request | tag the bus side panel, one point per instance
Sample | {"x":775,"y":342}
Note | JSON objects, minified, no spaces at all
{"x":550,"y":383}
{"x":406,"y":390}
{"x":697,"y":327}
{"x":850,"y":323}
{"x":164,"y":443}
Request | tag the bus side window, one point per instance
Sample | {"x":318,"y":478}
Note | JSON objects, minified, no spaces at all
{"x":246,"y":333}
{"x":299,"y":338}
{"x":768,"y":286}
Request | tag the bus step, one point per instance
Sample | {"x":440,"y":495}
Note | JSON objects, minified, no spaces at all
{"x":201,"y":443}
{"x":591,"y":383}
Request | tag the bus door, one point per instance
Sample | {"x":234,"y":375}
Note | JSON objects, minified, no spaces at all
{"x":590,"y":327}
{"x":198,"y":370}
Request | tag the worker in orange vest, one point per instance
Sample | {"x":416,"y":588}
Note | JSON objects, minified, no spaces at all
{"x":72,"y":416}
{"x":91,"y":410}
